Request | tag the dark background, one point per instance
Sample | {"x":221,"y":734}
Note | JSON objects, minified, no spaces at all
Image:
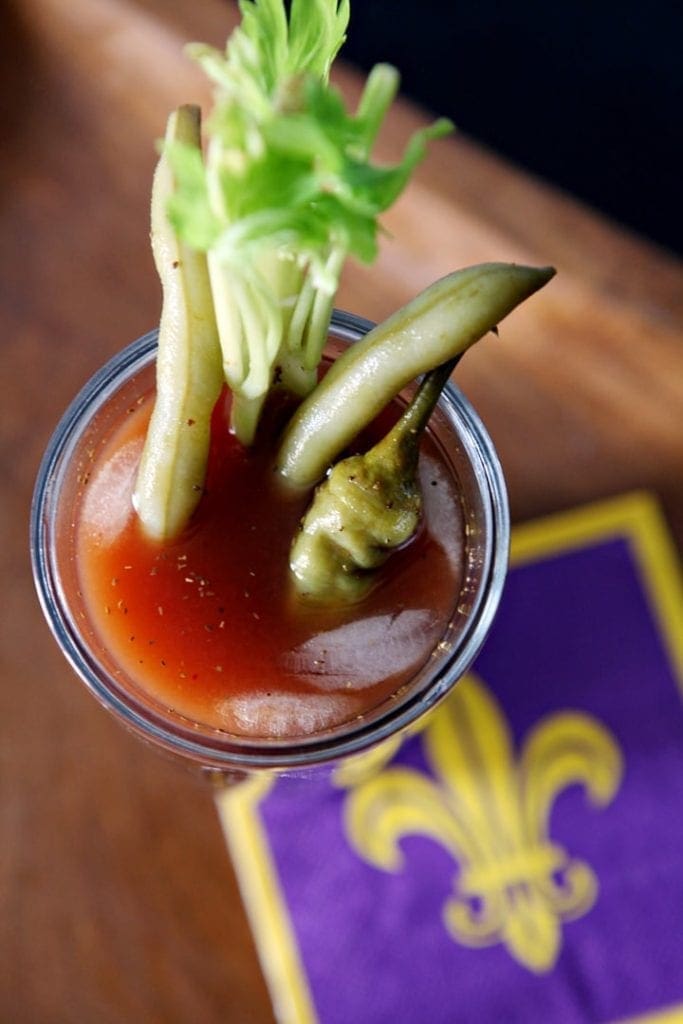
{"x":586,"y":94}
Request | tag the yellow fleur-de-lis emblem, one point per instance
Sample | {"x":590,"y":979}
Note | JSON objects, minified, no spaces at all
{"x":514,"y":885}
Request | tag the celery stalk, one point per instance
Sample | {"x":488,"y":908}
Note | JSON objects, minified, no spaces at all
{"x":287,"y":191}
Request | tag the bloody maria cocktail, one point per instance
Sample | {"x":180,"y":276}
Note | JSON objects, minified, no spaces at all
{"x":200,"y":645}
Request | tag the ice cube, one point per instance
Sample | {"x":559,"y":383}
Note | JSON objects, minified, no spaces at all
{"x":107,"y":504}
{"x":284,"y":715}
{"x":444,"y":511}
{"x":365,"y":652}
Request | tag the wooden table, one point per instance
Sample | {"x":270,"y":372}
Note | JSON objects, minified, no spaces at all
{"x":118,"y":900}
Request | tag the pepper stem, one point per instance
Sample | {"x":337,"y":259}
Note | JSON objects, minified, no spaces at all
{"x":403,"y":440}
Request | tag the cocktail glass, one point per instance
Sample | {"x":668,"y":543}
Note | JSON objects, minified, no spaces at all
{"x":467,"y":452}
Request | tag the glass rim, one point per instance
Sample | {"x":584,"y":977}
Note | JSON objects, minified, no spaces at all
{"x":219,"y":750}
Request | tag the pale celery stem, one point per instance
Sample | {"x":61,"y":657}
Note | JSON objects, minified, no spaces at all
{"x":378,"y":95}
{"x":265,"y":297}
{"x":244,"y":416}
{"x":294,"y":376}
{"x":321,"y":312}
{"x":228,"y":316}
{"x":253,"y":326}
{"x":229,"y":322}
{"x":262,"y":325}
{"x":302,"y":310}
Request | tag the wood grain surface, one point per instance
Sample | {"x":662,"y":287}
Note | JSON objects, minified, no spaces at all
{"x":118,"y":900}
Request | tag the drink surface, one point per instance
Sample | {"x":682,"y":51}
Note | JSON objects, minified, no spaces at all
{"x":209,"y":626}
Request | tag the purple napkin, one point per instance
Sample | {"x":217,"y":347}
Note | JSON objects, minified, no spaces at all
{"x":520,"y":859}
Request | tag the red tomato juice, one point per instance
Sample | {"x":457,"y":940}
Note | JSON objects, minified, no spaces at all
{"x":209,"y":625}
